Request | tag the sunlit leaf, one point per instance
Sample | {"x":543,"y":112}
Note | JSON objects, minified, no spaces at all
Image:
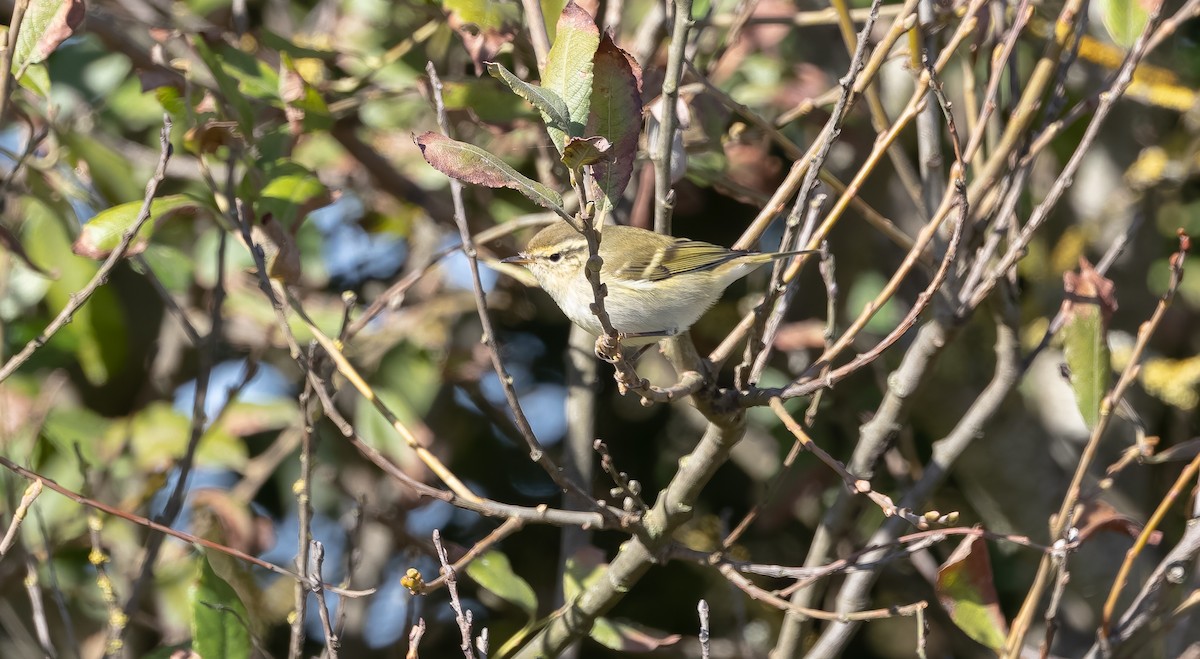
{"x":1125,"y":19}
{"x":471,"y":164}
{"x":568,"y":70}
{"x":494,"y":573}
{"x":104,"y":232}
{"x":219,"y":620}
{"x":966,"y":590}
{"x":158,"y":435}
{"x":46,"y":24}
{"x":291,"y":194}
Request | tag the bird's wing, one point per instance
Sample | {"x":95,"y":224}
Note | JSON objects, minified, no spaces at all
{"x":679,"y":257}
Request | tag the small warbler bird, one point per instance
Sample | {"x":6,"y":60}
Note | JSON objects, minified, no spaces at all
{"x":658,"y":285}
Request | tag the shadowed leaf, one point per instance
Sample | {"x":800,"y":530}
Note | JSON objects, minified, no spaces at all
{"x":11,"y":243}
{"x":471,"y":164}
{"x":616,"y":113}
{"x":582,"y":151}
{"x":96,"y":334}
{"x":484,"y":26}
{"x":583,"y":569}
{"x":1088,"y":306}
{"x":628,"y":637}
{"x":554,"y":110}
{"x":1101,"y":516}
{"x":568,"y":70}
{"x":966,"y":590}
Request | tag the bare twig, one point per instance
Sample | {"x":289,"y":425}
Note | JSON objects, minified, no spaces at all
{"x":664,"y":197}
{"x":702,"y":610}
{"x":536,"y":452}
{"x":317,"y":559}
{"x":463,"y":618}
{"x":6,"y":57}
{"x":31,"y":494}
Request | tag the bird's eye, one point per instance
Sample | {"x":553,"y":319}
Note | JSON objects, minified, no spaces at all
{"x":556,"y":257}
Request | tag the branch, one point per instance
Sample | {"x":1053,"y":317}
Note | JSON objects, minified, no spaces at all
{"x":101,"y":277}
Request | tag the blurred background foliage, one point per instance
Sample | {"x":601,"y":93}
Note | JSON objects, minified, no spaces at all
{"x":304,"y":111}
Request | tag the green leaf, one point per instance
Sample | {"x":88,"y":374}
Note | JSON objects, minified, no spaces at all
{"x":96,"y":333}
{"x":549,"y":104}
{"x":616,"y":113}
{"x":158,"y":435}
{"x":966,"y":590}
{"x":291,"y":195}
{"x":487,"y":98}
{"x":103,"y":233}
{"x":407,"y":382}
{"x":471,"y":164}
{"x":568,"y":70}
{"x":494,"y":573}
{"x":110,"y":171}
{"x":1089,"y":304}
{"x":227,"y":85}
{"x":219,"y":619}
{"x":584,"y":568}
{"x":1125,"y":19}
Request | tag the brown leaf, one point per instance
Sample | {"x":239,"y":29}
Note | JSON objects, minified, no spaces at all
{"x":61,"y":27}
{"x":279,"y":250}
{"x":1088,"y":287}
{"x":1101,"y":516}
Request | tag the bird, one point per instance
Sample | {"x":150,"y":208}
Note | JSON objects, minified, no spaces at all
{"x":658,"y":285}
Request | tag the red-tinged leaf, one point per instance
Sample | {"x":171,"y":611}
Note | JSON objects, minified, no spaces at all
{"x":568,"y":71}
{"x":966,"y":590}
{"x":628,"y":637}
{"x":616,"y":113}
{"x":583,"y":151}
{"x":471,"y":164}
{"x":47,"y":23}
{"x":1101,"y":516}
{"x":1087,"y":310}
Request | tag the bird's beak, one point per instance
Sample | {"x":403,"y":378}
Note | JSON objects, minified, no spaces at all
{"x":520,"y":259}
